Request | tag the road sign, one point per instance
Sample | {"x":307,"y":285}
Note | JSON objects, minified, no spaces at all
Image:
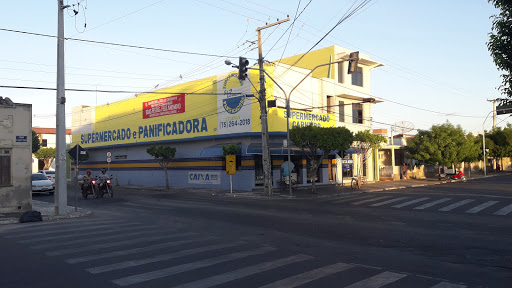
{"x":109,"y":159}
{"x":73,"y":151}
{"x":109,"y":154}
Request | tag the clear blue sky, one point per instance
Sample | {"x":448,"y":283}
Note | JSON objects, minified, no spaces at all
{"x":434,"y":52}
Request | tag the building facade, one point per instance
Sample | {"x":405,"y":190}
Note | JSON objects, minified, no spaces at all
{"x":15,"y":151}
{"x":199,"y":117}
{"x":47,"y":139}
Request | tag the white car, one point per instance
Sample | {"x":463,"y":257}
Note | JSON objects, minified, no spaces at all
{"x":40,"y":183}
{"x":50,"y":174}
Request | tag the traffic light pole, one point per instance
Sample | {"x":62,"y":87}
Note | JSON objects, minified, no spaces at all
{"x":267,"y":167}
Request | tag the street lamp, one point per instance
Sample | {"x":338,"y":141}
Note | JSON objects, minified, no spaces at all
{"x":483,"y":140}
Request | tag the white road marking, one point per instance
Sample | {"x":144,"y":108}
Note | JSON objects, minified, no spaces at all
{"x":73,"y":235}
{"x":188,"y":267}
{"x":390,"y":201}
{"x":163,"y":257}
{"x":430,"y":204}
{"x":371,"y":200}
{"x":410,"y":202}
{"x":60,"y":230}
{"x":309,"y":276}
{"x":105,"y":245}
{"x":243,"y":272}
{"x":145,"y":231}
{"x":351,"y":198}
{"x":455,"y":205}
{"x":482,"y":206}
{"x":504,"y":211}
{"x":138,"y":250}
{"x":448,"y":285}
{"x":378,"y":280}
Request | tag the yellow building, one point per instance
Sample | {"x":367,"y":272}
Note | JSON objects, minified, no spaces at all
{"x":200,"y":116}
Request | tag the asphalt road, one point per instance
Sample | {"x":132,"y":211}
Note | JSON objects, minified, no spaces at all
{"x":449,"y":235}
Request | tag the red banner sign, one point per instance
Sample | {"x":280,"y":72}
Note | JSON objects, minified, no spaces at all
{"x":163,"y":106}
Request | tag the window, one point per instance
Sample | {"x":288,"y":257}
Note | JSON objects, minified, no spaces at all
{"x":357,"y":77}
{"x":357,"y":113}
{"x":5,"y":168}
{"x":340,"y":72}
{"x":330,"y":104}
{"x":44,"y":143}
{"x":341,"y":106}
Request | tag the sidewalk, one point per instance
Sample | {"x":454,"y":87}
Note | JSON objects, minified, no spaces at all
{"x":47,"y":211}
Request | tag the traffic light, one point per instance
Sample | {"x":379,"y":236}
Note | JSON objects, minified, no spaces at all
{"x":353,"y":60}
{"x":242,"y":68}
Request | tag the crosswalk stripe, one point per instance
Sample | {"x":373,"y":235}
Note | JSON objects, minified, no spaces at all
{"x":448,"y":285}
{"x":370,"y":200}
{"x":430,"y":204}
{"x":60,"y":230}
{"x":243,"y":272}
{"x":145,"y":248}
{"x":455,"y":205}
{"x":411,"y":202}
{"x":39,"y":239}
{"x":390,"y":201}
{"x":188,"y":266}
{"x":350,"y":198}
{"x":39,"y":226}
{"x":504,"y":211}
{"x":145,"y":230}
{"x":378,"y":280}
{"x":107,"y":245}
{"x":309,"y":276}
{"x":482,"y":206}
{"x":138,"y":262}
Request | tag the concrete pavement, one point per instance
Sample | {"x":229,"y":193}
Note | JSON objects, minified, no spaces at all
{"x":330,"y":190}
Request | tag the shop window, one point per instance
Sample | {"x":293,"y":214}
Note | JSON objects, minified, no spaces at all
{"x":357,"y":113}
{"x":5,"y":168}
{"x":357,"y":77}
{"x":330,"y":104}
{"x":340,"y":72}
{"x":341,"y":106}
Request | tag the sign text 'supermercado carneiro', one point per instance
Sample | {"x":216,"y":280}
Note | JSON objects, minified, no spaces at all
{"x":206,"y":108}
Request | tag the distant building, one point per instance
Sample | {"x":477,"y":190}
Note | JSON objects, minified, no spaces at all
{"x":47,"y":139}
{"x":200,"y":116}
{"x":15,"y":151}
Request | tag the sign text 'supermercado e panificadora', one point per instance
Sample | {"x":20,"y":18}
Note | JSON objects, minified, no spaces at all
{"x":210,"y":107}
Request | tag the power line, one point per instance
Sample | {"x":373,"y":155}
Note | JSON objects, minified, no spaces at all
{"x":119,"y":44}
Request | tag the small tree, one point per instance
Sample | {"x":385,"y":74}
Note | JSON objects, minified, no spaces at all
{"x":47,"y":155}
{"x":230,"y":149}
{"x":500,"y":144}
{"x":365,"y":141}
{"x":443,"y":145}
{"x":164,"y":155}
{"x":35,"y":142}
{"x":321,"y":140}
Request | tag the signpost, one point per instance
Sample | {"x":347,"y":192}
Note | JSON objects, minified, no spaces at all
{"x":109,"y":159}
{"x":231,"y":169}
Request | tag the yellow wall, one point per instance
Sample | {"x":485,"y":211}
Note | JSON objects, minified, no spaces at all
{"x":312,"y":59}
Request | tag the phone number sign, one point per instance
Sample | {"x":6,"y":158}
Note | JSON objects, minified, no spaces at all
{"x":163,"y":106}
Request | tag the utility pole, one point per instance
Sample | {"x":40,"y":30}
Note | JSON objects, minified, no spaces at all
{"x":61,"y":196}
{"x":267,"y":167}
{"x":493,"y":112}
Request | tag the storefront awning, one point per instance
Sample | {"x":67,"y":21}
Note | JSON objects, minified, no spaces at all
{"x":216,"y":150}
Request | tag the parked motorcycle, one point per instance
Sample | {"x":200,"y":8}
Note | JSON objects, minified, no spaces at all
{"x":105,"y":187}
